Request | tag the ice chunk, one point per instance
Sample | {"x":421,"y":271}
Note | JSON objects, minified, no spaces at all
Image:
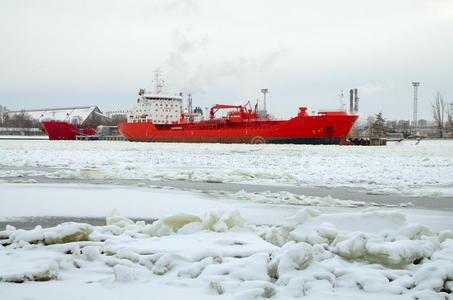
{"x":445,"y":252}
{"x":123,"y":273}
{"x":26,"y":265}
{"x":276,"y":235}
{"x":291,"y":257}
{"x":445,"y":235}
{"x":353,"y":247}
{"x":166,"y":263}
{"x":396,"y":253}
{"x":62,"y":233}
{"x":433,"y":275}
{"x":327,"y":231}
{"x":176,"y":222}
{"x":216,"y":286}
{"x":91,"y":253}
{"x":303,"y":215}
{"x":413,"y":231}
{"x":222,"y":221}
{"x":10,"y":228}
{"x":400,"y":252}
{"x":191,"y":228}
{"x":116,"y":219}
{"x":172,"y":224}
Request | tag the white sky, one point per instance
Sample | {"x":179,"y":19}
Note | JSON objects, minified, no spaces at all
{"x":58,"y":53}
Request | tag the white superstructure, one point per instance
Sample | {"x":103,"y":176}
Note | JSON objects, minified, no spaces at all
{"x":156,"y":107}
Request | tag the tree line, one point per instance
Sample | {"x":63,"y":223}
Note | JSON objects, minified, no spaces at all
{"x":17,"y":120}
{"x":443,"y":115}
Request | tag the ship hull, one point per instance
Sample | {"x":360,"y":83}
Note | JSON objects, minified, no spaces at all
{"x":59,"y":130}
{"x":303,"y":129}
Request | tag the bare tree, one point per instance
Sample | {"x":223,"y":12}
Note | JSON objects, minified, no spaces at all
{"x":3,"y":115}
{"x":439,"y":113}
{"x":450,"y":119}
{"x":377,"y":129}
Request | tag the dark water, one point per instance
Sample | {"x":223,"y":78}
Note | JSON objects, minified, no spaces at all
{"x":434,"y":203}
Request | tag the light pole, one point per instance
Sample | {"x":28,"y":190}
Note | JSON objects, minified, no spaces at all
{"x":414,"y":117}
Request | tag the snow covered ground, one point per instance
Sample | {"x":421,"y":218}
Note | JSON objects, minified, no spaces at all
{"x":223,"y":245}
{"x":208,"y":246}
{"x":400,"y":168}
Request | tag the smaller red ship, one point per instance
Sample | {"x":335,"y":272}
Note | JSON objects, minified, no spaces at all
{"x":70,"y":122}
{"x":60,"y":130}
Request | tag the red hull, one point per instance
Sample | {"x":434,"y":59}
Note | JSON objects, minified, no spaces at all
{"x":325,"y":128}
{"x":58,"y":130}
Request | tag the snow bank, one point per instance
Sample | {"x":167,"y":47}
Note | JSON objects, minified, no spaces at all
{"x":366,"y":253}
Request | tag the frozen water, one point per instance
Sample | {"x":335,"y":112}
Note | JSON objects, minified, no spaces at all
{"x":407,"y":168}
{"x":223,"y":245}
{"x":392,"y":257}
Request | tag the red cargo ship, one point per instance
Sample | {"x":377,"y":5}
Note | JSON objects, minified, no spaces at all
{"x":245,"y":126}
{"x":159,"y":118}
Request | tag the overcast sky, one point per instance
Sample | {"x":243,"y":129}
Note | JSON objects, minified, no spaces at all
{"x":60,"y":53}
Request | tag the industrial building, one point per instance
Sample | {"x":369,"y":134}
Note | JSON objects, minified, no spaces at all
{"x":78,"y":115}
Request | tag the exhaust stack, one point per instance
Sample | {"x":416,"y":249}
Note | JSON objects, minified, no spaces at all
{"x":351,"y":101}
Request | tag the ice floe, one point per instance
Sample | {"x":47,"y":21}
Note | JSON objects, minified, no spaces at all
{"x":365,"y":254}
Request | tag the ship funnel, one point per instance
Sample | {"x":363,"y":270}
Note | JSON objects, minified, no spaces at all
{"x":356,"y":102}
{"x":264,"y":91}
{"x":351,"y":101}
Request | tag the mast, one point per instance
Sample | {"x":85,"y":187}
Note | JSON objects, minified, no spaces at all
{"x":189,"y":104}
{"x":158,"y":83}
{"x":341,"y":99}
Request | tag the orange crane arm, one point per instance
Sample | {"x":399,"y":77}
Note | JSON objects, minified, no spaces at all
{"x":218,"y":107}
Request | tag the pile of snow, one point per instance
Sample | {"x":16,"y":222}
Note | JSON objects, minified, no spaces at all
{"x":422,"y":169}
{"x":354,"y":254}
